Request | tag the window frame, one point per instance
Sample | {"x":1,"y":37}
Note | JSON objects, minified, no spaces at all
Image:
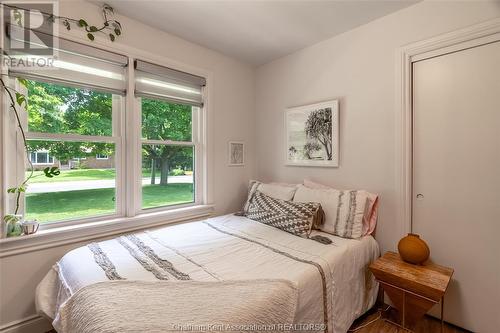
{"x":196,"y":143}
{"x":100,"y":157}
{"x":36,"y":157}
{"x":127,"y":162}
{"x":118,"y":109}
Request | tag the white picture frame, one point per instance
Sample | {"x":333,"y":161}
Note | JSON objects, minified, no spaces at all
{"x":236,"y":153}
{"x":307,"y":141}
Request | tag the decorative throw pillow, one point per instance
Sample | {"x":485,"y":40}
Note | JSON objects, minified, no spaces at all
{"x":371,"y":210}
{"x":344,"y":210}
{"x":274,"y":190}
{"x":294,"y":217}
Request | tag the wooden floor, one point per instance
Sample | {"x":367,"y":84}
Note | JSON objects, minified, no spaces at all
{"x":427,"y":325}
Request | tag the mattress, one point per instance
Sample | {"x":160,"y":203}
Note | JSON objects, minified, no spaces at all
{"x":333,"y":281}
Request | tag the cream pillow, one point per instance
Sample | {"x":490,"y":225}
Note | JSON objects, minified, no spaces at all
{"x":343,"y":210}
{"x":371,"y":212}
{"x":274,"y":190}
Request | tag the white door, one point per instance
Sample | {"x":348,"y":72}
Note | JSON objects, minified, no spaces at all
{"x":456,"y":177}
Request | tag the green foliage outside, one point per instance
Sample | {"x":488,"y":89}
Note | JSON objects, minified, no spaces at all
{"x":56,"y":206}
{"x":165,"y":121}
{"x":58,"y":109}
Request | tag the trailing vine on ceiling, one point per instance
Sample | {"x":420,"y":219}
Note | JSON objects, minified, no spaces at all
{"x":110,"y":27}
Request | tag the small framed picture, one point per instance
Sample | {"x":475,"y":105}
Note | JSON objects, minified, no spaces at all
{"x":312,"y":135}
{"x":236,"y":153}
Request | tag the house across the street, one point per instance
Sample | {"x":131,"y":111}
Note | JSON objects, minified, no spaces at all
{"x":42,"y":159}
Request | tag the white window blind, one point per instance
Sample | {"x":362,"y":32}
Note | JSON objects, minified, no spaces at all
{"x":153,"y":81}
{"x":74,"y":64}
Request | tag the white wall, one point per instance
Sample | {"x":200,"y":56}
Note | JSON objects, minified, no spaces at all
{"x":231,"y":102}
{"x":358,"y":68}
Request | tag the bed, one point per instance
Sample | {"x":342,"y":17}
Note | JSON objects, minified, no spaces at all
{"x":229,"y":269}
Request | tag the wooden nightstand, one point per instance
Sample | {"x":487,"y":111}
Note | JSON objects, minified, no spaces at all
{"x":413,"y":289}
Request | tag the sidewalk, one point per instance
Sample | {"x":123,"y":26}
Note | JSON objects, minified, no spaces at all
{"x":94,"y":184}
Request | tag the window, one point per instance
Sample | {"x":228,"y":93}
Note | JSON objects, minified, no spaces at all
{"x":74,"y":111}
{"x":78,"y":118}
{"x":84,"y":188}
{"x":170,"y":113}
{"x":167,"y":153}
{"x":41,"y":157}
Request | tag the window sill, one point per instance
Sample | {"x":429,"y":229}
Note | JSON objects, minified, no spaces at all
{"x":86,"y":231}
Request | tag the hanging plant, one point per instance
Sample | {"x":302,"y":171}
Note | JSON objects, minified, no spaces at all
{"x":112,"y":29}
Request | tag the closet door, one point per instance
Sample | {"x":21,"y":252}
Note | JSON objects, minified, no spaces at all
{"x":456,"y":177}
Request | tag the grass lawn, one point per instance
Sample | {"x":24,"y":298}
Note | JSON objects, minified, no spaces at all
{"x":55,"y":206}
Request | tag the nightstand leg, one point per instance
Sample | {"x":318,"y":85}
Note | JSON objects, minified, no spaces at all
{"x":442,"y":315}
{"x":404,"y":308}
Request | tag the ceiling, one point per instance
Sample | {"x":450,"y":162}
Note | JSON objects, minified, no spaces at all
{"x":256,"y":32}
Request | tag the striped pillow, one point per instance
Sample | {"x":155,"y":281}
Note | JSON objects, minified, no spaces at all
{"x":294,"y":217}
{"x":344,"y":210}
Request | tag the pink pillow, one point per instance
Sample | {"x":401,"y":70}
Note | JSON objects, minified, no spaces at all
{"x":371,"y":213}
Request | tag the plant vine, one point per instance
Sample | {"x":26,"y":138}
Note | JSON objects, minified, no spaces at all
{"x":112,"y":28}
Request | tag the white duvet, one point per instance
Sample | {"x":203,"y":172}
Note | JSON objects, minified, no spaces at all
{"x":333,"y":281}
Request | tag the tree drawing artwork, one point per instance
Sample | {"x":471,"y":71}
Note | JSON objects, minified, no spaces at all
{"x":319,"y":127}
{"x":310,"y":147}
{"x":43,"y":101}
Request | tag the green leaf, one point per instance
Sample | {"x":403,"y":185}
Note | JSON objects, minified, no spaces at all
{"x":55,"y":171}
{"x":90,"y":36}
{"x":112,"y":37}
{"x":20,"y":99}
{"x":82,"y":23}
{"x":12,"y":190}
{"x":22,"y":81}
{"x":51,"y":172}
{"x":67,"y":25}
{"x":118,"y":32}
{"x":18,"y":17}
{"x":10,"y":218}
{"x":93,"y":28}
{"x":108,"y":8}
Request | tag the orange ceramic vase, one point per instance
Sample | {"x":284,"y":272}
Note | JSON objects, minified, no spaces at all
{"x":414,"y":250}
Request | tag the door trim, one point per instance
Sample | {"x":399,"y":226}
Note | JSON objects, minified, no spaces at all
{"x":472,"y":36}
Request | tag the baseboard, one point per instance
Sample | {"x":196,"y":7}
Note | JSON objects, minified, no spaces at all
{"x":31,"y":324}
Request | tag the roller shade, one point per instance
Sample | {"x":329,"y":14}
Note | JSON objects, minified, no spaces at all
{"x":160,"y":82}
{"x":73,"y":64}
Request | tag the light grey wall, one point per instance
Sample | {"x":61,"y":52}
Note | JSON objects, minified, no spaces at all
{"x":358,"y":68}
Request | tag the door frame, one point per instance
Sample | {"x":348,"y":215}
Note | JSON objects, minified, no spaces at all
{"x":472,"y":36}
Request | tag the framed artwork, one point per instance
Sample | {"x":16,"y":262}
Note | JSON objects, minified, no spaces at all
{"x":312,"y":135}
{"x":236,"y":153}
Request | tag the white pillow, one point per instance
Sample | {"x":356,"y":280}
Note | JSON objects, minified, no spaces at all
{"x":371,"y":212}
{"x":344,"y":210}
{"x":274,"y":190}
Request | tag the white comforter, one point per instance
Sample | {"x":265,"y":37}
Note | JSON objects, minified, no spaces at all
{"x":333,"y":281}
